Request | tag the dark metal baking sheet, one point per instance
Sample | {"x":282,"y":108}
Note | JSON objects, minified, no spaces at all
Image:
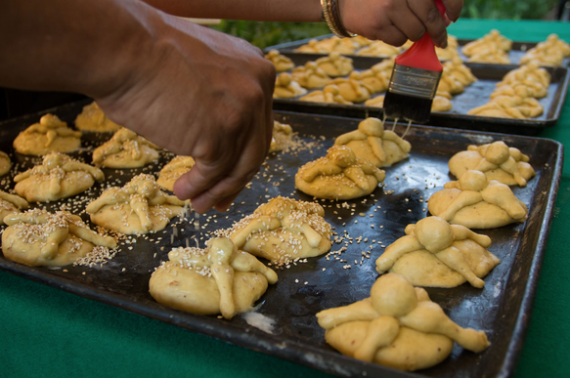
{"x":502,"y":308}
{"x":474,"y":95}
{"x":517,"y":51}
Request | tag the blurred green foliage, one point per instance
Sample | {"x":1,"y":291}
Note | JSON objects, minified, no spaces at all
{"x":507,"y":9}
{"x":264,"y":34}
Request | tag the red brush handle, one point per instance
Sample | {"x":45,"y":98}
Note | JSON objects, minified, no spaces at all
{"x":422,"y":53}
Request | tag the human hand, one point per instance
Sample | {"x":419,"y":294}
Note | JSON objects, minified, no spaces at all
{"x":205,"y":94}
{"x":396,"y":21}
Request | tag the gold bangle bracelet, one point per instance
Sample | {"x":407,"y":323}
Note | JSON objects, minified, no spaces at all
{"x":332,"y":17}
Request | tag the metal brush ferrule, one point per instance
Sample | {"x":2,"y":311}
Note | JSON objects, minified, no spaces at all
{"x":410,"y":81}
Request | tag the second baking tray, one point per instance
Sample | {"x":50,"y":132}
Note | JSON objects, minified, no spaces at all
{"x":517,"y":51}
{"x":284,"y":323}
{"x":475,"y":95}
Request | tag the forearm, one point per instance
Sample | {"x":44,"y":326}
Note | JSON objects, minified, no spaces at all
{"x":254,"y":10}
{"x":69,"y":45}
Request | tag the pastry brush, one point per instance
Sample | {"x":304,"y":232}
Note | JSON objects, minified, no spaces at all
{"x":414,"y":80}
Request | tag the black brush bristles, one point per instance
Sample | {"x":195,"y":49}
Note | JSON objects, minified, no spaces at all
{"x":415,"y":109}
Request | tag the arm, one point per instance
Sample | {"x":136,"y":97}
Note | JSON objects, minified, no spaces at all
{"x":147,"y":69}
{"x":392,"y":21}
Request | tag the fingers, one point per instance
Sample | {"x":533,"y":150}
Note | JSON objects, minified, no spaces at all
{"x":453,"y":8}
{"x":222,"y":193}
{"x":429,"y":15}
{"x":408,"y":24}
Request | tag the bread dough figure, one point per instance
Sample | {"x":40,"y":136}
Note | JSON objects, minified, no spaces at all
{"x":448,"y":53}
{"x":137,"y":208}
{"x":345,"y":46}
{"x":125,"y":150}
{"x":499,"y":162}
{"x":555,"y":42}
{"x":386,"y":66}
{"x":448,"y":83}
{"x":310,"y":76}
{"x":48,"y":135}
{"x":544,"y":55}
{"x":282,"y":137}
{"x":441,"y":102}
{"x":490,"y":55}
{"x":529,"y":71}
{"x":397,"y":326}
{"x":92,"y":118}
{"x":218,"y":279}
{"x":379,"y":48}
{"x":353,"y":90}
{"x":314,"y":47}
{"x":39,"y":238}
{"x":460,"y":71}
{"x":529,"y":107}
{"x":493,"y":40}
{"x":509,"y":107}
{"x":173,"y":170}
{"x":361,"y":41}
{"x":494,"y":109}
{"x":535,"y":80}
{"x":11,"y":204}
{"x":438,"y":254}
{"x":286,"y":87}
{"x":5,"y":163}
{"x":371,"y":142}
{"x":284,"y":229}
{"x":58,"y":177}
{"x":335,"y":65}
{"x":281,"y":62}
{"x":340,"y":175}
{"x":330,"y":94}
{"x":374,"y":78}
{"x":475,"y":202}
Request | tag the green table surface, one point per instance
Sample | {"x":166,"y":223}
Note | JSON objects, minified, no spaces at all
{"x":47,"y":332}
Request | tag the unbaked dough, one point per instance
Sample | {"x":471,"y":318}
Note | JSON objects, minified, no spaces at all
{"x":493,"y":40}
{"x":218,"y":279}
{"x":173,"y":170}
{"x":282,"y":137}
{"x":137,"y":208}
{"x":375,"y":78}
{"x":310,"y":76}
{"x":476,"y":202}
{"x":286,"y":87}
{"x":48,"y":135}
{"x":5,"y":163}
{"x":499,"y":162}
{"x":330,"y":94}
{"x":281,"y":62}
{"x":397,"y":326}
{"x":371,"y":142}
{"x":11,"y":204}
{"x":339,"y":175}
{"x":379,"y":48}
{"x":460,"y":71}
{"x":59,"y":176}
{"x":435,"y":253}
{"x":92,"y":118}
{"x":353,"y":90}
{"x":39,"y":238}
{"x":125,"y":150}
{"x":335,"y":65}
{"x":283,"y":230}
{"x":490,"y":55}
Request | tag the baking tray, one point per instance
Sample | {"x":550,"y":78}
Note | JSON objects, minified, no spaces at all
{"x":288,"y":328}
{"x":517,"y":51}
{"x":474,"y":95}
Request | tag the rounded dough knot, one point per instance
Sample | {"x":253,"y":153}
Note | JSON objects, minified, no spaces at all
{"x":434,"y":233}
{"x":393,"y":295}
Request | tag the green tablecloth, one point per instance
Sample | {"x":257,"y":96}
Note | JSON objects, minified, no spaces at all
{"x":46,"y":332}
